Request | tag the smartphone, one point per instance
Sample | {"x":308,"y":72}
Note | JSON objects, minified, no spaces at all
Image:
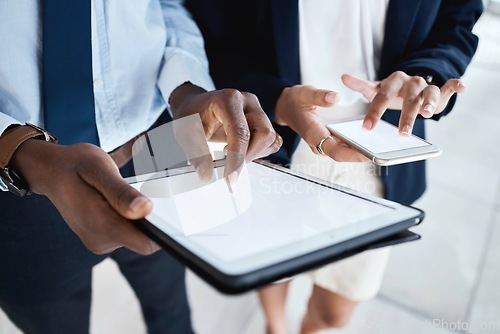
{"x":383,"y":144}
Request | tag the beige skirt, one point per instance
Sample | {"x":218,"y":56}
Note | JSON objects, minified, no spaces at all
{"x":359,"y":277}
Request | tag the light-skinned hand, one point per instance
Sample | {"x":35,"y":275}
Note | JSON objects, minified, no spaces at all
{"x":410,"y":94}
{"x":296,"y":108}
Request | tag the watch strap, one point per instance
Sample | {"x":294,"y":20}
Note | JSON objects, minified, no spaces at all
{"x":14,"y":137}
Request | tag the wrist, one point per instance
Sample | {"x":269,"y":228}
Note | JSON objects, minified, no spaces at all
{"x":11,"y":177}
{"x":30,"y":161}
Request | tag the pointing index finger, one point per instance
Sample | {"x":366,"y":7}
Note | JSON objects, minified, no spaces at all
{"x":230,"y":111}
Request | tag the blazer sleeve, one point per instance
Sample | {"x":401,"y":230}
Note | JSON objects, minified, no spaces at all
{"x":228,"y":28}
{"x":449,"y":47}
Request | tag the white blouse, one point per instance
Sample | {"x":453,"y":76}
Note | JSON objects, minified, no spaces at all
{"x":337,"y":37}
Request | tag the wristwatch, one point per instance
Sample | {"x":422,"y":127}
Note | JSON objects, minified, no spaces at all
{"x":10,"y":140}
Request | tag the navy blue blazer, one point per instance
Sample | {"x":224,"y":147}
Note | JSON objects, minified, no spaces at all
{"x":253,"y":46}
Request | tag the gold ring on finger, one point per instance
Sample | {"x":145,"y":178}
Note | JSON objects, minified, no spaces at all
{"x":319,"y":147}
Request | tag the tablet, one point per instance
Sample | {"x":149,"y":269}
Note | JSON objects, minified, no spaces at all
{"x":273,"y":223}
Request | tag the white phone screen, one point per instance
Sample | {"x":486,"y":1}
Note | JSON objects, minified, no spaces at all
{"x":383,"y":138}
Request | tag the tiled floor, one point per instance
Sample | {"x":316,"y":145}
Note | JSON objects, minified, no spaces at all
{"x":449,"y":279}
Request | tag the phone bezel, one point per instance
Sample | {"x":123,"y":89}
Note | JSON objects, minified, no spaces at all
{"x":392,"y":157}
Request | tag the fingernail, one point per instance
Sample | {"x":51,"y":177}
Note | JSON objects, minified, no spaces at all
{"x":429,"y":107}
{"x":330,"y":97}
{"x":428,"y":110}
{"x":367,"y":124}
{"x":406,"y":130}
{"x":460,"y":84}
{"x":138,"y":203}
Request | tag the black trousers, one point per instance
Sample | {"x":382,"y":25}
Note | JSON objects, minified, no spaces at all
{"x":45,"y":274}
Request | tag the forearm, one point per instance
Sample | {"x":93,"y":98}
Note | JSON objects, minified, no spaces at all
{"x":32,"y":160}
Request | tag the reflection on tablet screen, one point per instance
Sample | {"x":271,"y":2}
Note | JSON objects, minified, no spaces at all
{"x":194,"y":206}
{"x":268,"y":209}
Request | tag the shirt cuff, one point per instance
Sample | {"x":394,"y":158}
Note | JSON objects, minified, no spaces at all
{"x":6,"y":121}
{"x":180,"y":67}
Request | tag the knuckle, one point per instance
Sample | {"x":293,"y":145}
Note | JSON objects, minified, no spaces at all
{"x":276,"y":144}
{"x":412,"y":100}
{"x":250,"y":97}
{"x":418,"y":81}
{"x":268,"y":132}
{"x":92,"y":161}
{"x":407,"y":119}
{"x":88,"y":152}
{"x":435,"y":90}
{"x":242,"y":132}
{"x":123,"y":193}
{"x":430,"y":100}
{"x":231,"y":95}
{"x":226,"y":100}
{"x":279,"y":140}
{"x":303,"y":91}
{"x":432,"y":90}
{"x":399,"y":75}
{"x":306,"y":88}
{"x":383,"y":95}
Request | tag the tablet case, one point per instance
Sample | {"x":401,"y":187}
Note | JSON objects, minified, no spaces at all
{"x":242,"y":283}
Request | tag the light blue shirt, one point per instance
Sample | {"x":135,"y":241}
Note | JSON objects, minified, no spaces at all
{"x":142,"y":50}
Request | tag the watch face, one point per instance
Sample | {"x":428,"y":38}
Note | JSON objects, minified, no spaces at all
{"x":3,"y":186}
{"x":13,"y":182}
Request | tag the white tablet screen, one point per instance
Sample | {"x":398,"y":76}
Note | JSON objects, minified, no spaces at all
{"x":267,"y":209}
{"x":383,"y":138}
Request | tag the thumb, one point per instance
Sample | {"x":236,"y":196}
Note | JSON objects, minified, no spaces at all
{"x":367,"y":88}
{"x":122,"y":197}
{"x":311,"y":96}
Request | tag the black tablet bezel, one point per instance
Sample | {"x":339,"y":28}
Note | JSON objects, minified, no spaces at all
{"x":235,"y":284}
{"x":240,"y":283}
